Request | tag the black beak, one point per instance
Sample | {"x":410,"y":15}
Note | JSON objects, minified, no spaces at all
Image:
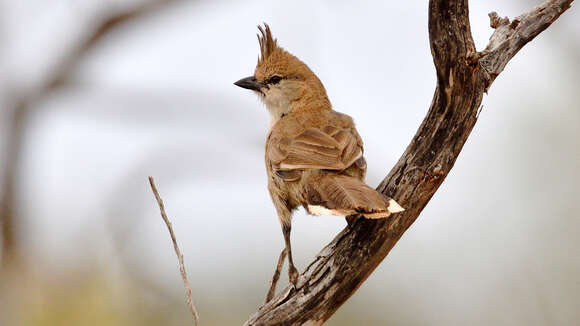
{"x":249,"y":83}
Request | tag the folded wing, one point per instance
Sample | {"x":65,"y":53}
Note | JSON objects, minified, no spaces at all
{"x":327,"y":148}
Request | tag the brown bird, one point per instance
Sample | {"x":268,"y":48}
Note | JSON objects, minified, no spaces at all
{"x":314,"y":155}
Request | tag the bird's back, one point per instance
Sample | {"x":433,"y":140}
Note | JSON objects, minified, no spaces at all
{"x":315,"y":159}
{"x":316,"y":140}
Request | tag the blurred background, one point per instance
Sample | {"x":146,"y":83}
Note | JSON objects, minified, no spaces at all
{"x":96,"y":95}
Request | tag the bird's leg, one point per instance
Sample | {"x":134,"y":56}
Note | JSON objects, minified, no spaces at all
{"x":292,"y":271}
{"x":276,"y":276}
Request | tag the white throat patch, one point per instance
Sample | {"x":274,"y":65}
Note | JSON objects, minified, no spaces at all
{"x":277,"y":103}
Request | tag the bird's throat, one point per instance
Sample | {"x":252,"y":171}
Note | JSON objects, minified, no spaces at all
{"x":277,"y":113}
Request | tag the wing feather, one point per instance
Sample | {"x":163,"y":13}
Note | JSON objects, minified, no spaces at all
{"x":328,"y":147}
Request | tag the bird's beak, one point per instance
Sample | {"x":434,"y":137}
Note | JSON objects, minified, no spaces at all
{"x":249,"y":83}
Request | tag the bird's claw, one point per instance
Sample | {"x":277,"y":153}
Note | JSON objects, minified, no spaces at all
{"x":293,"y":276}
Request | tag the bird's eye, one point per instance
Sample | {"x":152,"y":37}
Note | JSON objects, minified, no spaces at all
{"x":274,"y":79}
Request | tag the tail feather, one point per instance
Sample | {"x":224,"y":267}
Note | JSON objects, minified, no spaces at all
{"x":344,"y":195}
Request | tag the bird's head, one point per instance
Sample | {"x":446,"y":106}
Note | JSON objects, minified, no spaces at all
{"x":283,"y":82}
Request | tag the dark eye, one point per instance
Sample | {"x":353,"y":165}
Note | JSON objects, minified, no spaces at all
{"x":274,"y":80}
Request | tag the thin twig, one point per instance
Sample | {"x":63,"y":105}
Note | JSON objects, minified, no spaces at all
{"x":177,"y":252}
{"x":276,"y":276}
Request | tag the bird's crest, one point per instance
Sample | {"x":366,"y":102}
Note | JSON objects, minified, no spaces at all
{"x":267,"y":42}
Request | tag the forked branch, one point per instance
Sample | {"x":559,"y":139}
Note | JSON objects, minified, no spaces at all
{"x":463,"y":75}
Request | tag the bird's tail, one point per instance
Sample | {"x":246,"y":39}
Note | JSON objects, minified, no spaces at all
{"x":343,"y":195}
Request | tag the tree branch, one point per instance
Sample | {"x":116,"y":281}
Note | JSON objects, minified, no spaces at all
{"x":111,"y":22}
{"x":276,"y":276}
{"x":508,"y":38}
{"x":190,"y":303}
{"x":21,"y":106}
{"x":463,"y":75}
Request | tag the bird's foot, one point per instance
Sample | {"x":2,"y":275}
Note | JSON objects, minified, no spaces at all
{"x":293,"y":275}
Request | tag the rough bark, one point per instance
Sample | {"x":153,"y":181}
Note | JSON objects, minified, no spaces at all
{"x":463,"y":76}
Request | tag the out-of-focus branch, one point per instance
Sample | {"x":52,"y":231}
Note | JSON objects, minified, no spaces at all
{"x":23,"y":103}
{"x":109,"y":23}
{"x":14,"y":140}
{"x":190,"y":303}
{"x":462,"y":78}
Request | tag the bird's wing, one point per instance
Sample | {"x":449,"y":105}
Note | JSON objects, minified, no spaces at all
{"x":328,"y":147}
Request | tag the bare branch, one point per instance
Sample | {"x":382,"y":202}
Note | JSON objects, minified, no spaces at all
{"x":192,"y":307}
{"x":62,"y":72}
{"x":509,"y":37}
{"x":22,"y":104}
{"x":14,"y":140}
{"x":276,"y":276}
{"x":462,"y":78}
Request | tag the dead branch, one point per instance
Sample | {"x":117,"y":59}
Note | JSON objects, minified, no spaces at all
{"x":22,"y":105}
{"x":190,"y":303}
{"x":276,"y":276}
{"x":111,"y":22}
{"x":463,"y":75}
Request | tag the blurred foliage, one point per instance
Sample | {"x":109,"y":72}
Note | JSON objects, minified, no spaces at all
{"x":83,"y":298}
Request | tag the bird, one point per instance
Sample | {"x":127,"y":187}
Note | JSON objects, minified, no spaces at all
{"x":313,"y":154}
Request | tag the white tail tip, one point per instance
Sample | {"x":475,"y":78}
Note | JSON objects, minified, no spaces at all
{"x":323,"y":211}
{"x":394,"y":207}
